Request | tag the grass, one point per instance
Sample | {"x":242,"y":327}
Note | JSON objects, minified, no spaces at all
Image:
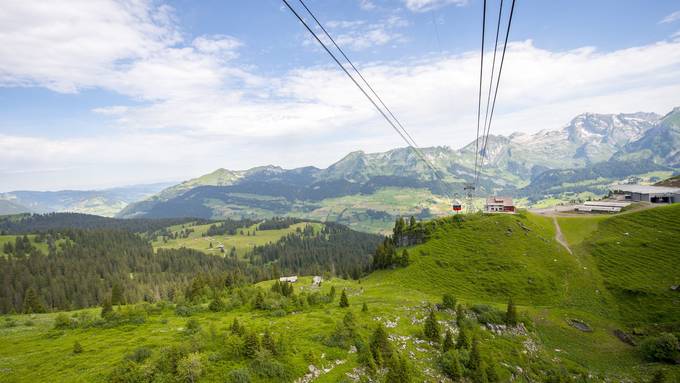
{"x":611,"y":281}
{"x":42,"y":246}
{"x":242,"y":242}
{"x":637,"y":255}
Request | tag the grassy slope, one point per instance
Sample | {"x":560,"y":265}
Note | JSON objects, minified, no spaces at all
{"x":638,"y":257}
{"x":478,"y":260}
{"x":11,"y":238}
{"x":243,"y":243}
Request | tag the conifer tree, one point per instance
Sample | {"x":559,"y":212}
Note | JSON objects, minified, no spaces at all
{"x":332,"y":293}
{"x":268,"y":342}
{"x":462,"y":342}
{"x":476,"y":364}
{"x":344,"y":302}
{"x":251,"y":345}
{"x":381,"y":349}
{"x":32,"y":302}
{"x":236,"y":327}
{"x":448,"y":342}
{"x":364,"y":308}
{"x":431,"y":330}
{"x":398,"y":370}
{"x":117,"y":294}
{"x":259,"y":301}
{"x":460,"y":316}
{"x":450,"y":364}
{"x":107,"y":307}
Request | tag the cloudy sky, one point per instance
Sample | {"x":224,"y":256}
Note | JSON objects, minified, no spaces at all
{"x":98,"y":93}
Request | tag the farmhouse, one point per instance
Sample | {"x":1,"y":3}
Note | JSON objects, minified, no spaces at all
{"x":602,"y":206}
{"x":291,"y":279}
{"x":316,"y":281}
{"x":499,"y":205}
{"x":642,"y":193}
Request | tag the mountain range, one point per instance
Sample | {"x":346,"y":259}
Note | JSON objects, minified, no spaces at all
{"x":105,"y":202}
{"x":367,"y":190}
{"x":580,"y":159}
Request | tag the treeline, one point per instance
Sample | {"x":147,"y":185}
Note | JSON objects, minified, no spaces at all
{"x":42,"y":223}
{"x":278,"y":223}
{"x":403,"y":234}
{"x":229,"y":227}
{"x":335,"y":249}
{"x":92,"y":266}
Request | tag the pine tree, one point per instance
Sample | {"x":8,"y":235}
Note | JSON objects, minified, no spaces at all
{"x":107,"y":307}
{"x":32,"y":302}
{"x":332,"y":293}
{"x":381,"y":349}
{"x":364,"y":308}
{"x":412,"y":222}
{"x":450,"y":364}
{"x":77,"y":348}
{"x":511,"y":314}
{"x":268,"y":342}
{"x":117,"y":294}
{"x":476,"y":364}
{"x":216,"y":304}
{"x":431,"y":330}
{"x":344,"y":302}
{"x":259,"y":301}
{"x":236,"y":327}
{"x":251,"y":345}
{"x":462,"y":342}
{"x":398,"y":370}
{"x":460,"y":316}
{"x":448,"y":342}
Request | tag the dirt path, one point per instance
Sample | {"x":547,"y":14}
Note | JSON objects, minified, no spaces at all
{"x":559,"y":237}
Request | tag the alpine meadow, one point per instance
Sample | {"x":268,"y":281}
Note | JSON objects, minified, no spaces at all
{"x":386,"y":191}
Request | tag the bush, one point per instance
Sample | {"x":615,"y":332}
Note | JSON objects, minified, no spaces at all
{"x":77,"y":348}
{"x":62,"y":322}
{"x":265,"y":366}
{"x":139,"y":355}
{"x":183,"y":311}
{"x":448,"y":302}
{"x":488,"y":314}
{"x":190,"y":368}
{"x":664,"y":348}
{"x":192,"y":327}
{"x":238,"y":376}
{"x":450,"y":365}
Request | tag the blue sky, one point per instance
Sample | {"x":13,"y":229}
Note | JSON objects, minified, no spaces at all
{"x":104,"y":93}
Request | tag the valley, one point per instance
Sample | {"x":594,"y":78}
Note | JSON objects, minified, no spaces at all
{"x":481,"y":260}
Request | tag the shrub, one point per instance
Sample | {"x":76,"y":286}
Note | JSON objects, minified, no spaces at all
{"x":183,"y":311}
{"x":190,"y":368}
{"x":450,"y":365}
{"x":663,"y":348}
{"x":344,"y":302}
{"x":139,"y":355}
{"x":216,"y":305}
{"x":77,"y":348}
{"x":448,"y":302}
{"x":192,"y":326}
{"x":264,"y":365}
{"x":62,"y":322}
{"x":488,"y":314}
{"x":238,"y":376}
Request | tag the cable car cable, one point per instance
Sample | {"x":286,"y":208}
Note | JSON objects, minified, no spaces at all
{"x":337,"y":61}
{"x":481,"y":77}
{"x":488,"y":96}
{"x":500,"y":71}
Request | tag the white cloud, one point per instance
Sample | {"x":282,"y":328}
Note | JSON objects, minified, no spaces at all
{"x":429,"y":5}
{"x":675,"y":16}
{"x":203,"y":111}
{"x":366,"y":5}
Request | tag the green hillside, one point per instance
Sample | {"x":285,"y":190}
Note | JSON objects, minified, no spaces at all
{"x":638,"y":257}
{"x":482,"y":260}
{"x":244,"y":240}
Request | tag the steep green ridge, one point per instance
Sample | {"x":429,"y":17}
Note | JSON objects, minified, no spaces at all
{"x":638,"y":257}
{"x":494,"y":257}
